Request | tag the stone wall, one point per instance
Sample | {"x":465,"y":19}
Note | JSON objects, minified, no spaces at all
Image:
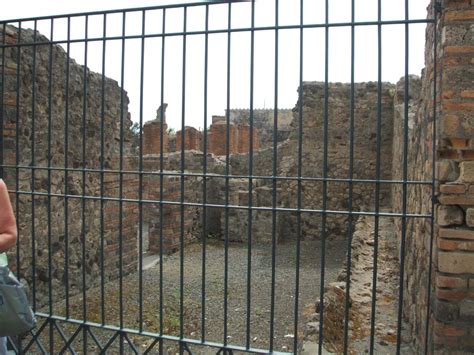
{"x":454,"y":263}
{"x":50,"y":125}
{"x":263,"y":121}
{"x":451,"y":302}
{"x":364,"y":156}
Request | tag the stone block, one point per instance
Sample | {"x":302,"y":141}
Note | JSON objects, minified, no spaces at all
{"x":450,"y":282}
{"x":466,"y":171}
{"x":449,"y":233}
{"x":451,"y":295}
{"x":447,"y":170}
{"x":456,"y":262}
{"x":452,"y":188}
{"x":470,"y":217}
{"x":446,"y":311}
{"x":466,"y":309}
{"x":443,"y":329}
{"x":450,"y":215}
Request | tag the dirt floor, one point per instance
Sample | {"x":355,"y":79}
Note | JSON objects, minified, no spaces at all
{"x":237,"y":302}
{"x":187,"y":305}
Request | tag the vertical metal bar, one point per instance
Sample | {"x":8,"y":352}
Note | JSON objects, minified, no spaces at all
{"x":162,"y":112}
{"x":140,"y":179}
{"x":84,"y":166}
{"x":433,"y":173}
{"x":49,"y":154}
{"x":299,"y":187}
{"x":325,"y":178}
{"x":227,"y":172}
{"x":274,"y":184}
{"x":250,"y":183}
{"x":204,"y":183}
{"x":17,"y":152}
{"x":351,"y":187}
{"x":181,"y":236}
{"x":377,"y":178}
{"x":66,"y":166}
{"x":33,"y":166}
{"x":405,"y":185}
{"x":121,"y":151}
{"x":102,"y":174}
{"x":2,"y":95}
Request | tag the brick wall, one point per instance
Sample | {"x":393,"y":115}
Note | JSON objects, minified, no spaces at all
{"x":453,"y":316}
{"x":152,"y":137}
{"x":192,"y":139}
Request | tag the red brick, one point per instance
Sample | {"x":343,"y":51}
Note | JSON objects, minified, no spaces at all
{"x":451,"y":295}
{"x":463,"y":15}
{"x":449,"y":154}
{"x":459,"y":143}
{"x":450,"y":282}
{"x":458,"y":49}
{"x":458,"y":106}
{"x":445,"y":244}
{"x":445,"y":340}
{"x":443,"y":329}
{"x":452,"y":188}
{"x":467,"y":154}
{"x":448,"y":94}
{"x":469,"y":94}
{"x":456,"y":233}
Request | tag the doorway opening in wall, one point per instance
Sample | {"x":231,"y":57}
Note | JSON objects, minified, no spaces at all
{"x":220,"y":177}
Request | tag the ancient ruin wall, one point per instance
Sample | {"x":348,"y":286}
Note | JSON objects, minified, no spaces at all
{"x":49,"y":112}
{"x":451,"y":302}
{"x":263,"y":121}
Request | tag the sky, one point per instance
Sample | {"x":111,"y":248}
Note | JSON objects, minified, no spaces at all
{"x":265,"y":75}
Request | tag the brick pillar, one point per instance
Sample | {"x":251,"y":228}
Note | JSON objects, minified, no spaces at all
{"x":192,"y":139}
{"x":243,"y":138}
{"x":152,"y":137}
{"x":453,"y":309}
{"x":218,"y":138}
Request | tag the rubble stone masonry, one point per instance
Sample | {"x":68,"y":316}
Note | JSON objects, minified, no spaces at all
{"x":452,"y":294}
{"x":453,"y":313}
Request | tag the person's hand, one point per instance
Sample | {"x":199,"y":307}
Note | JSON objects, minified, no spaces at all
{"x":8,"y":230}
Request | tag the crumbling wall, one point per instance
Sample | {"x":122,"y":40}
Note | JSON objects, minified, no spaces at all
{"x":263,"y":121}
{"x":338,"y":150}
{"x":52,"y":133}
{"x":451,"y":302}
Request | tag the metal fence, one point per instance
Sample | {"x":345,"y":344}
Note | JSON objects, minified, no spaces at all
{"x":93,"y":200}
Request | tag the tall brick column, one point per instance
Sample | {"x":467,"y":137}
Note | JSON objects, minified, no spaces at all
{"x":152,"y":134}
{"x":453,"y":308}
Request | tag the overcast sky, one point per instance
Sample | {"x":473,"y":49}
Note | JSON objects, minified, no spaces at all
{"x":393,"y":50}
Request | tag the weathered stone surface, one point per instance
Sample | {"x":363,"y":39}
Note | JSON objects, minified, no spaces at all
{"x":467,"y":171}
{"x":460,"y":233}
{"x":450,"y":215}
{"x":456,"y":262}
{"x":466,"y":309}
{"x":470,"y":217}
{"x":447,"y":170}
{"x":446,"y":311}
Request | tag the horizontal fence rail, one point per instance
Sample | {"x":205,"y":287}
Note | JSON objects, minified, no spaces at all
{"x":154,"y":217}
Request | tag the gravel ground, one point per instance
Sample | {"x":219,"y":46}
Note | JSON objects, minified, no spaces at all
{"x":260,"y":305}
